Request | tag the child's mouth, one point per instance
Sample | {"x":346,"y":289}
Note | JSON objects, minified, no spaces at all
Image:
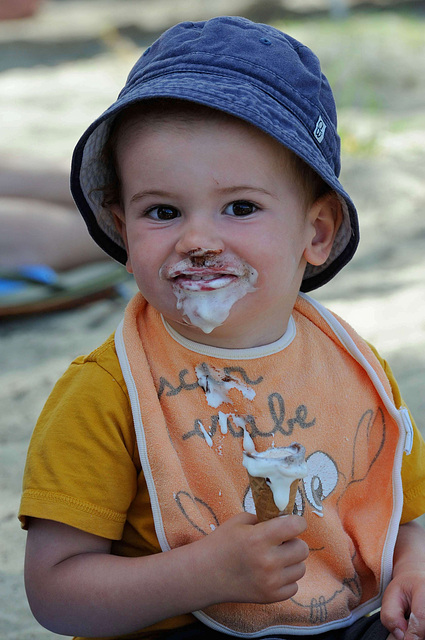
{"x":206,"y":292}
{"x":213,"y":274}
{"x":203,"y":281}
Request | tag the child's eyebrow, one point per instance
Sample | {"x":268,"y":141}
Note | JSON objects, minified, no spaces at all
{"x":155,"y":192}
{"x":245,"y":187}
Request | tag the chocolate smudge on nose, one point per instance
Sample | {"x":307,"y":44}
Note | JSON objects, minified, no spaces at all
{"x":199,"y":256}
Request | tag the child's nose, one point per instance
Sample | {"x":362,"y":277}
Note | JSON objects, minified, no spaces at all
{"x":199,"y":235}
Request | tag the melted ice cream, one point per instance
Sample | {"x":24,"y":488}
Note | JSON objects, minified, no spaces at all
{"x":280,"y":466}
{"x":209,"y":290}
{"x":222,"y":421}
{"x":216,"y":385}
{"x":205,"y":433}
{"x":248,"y":443}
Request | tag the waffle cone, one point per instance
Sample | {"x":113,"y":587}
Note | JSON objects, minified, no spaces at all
{"x":265,"y":506}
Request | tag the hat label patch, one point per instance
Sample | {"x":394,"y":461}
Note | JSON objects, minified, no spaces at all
{"x":319,"y":131}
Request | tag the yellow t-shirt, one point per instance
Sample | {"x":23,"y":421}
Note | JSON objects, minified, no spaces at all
{"x":90,"y":477}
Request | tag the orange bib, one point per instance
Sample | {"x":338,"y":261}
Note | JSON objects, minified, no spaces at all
{"x":320,"y":385}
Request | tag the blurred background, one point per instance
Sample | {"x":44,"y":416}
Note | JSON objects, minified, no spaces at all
{"x":62,"y":62}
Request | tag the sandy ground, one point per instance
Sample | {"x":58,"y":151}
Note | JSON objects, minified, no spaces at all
{"x":46,"y":102}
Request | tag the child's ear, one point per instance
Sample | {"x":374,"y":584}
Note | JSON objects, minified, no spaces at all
{"x":325,"y":216}
{"x":119,"y":221}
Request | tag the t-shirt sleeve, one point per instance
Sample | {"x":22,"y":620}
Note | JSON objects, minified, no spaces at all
{"x":413,"y":467}
{"x":81,"y":466}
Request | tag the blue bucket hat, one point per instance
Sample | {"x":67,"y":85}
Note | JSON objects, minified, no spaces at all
{"x":252,"y":71}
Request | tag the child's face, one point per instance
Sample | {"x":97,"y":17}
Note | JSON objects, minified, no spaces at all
{"x":213,"y":220}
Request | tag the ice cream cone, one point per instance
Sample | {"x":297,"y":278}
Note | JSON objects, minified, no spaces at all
{"x":274,"y":475}
{"x":265,"y":506}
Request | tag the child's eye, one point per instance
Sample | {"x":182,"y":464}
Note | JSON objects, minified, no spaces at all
{"x":240,"y":208}
{"x":163,"y":212}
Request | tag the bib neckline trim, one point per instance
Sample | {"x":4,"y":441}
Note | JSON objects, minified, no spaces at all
{"x":235,"y":354}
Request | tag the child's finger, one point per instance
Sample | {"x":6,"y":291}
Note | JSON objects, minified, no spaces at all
{"x":396,"y":607}
{"x":393,"y":612}
{"x":280,"y":530}
{"x":245,"y":518}
{"x":415,"y":630}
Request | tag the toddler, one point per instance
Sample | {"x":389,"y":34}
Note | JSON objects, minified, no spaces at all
{"x":214,"y":178}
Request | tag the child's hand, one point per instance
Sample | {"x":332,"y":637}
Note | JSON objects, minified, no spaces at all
{"x":257,"y":562}
{"x":77,"y":587}
{"x":403,"y":605}
{"x":405,"y":597}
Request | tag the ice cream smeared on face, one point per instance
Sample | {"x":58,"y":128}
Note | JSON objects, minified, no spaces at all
{"x":216,"y":385}
{"x":207,"y":285}
{"x":280,"y":467}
